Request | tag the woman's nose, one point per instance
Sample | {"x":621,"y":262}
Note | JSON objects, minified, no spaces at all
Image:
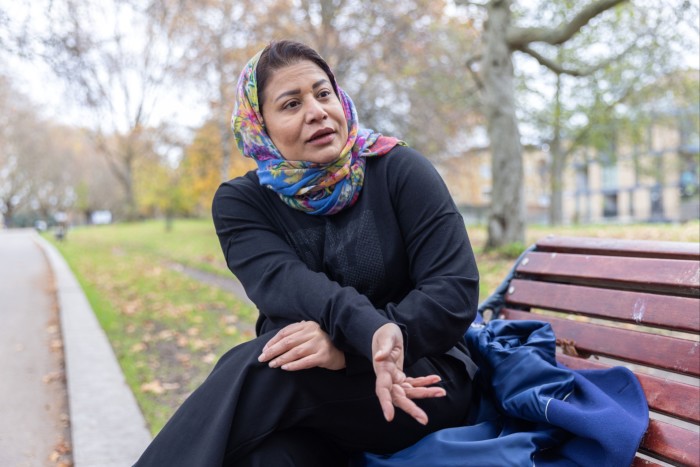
{"x":315,"y":111}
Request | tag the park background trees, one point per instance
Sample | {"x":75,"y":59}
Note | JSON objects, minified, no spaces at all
{"x":153,"y":81}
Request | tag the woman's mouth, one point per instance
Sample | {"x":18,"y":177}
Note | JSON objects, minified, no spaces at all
{"x":321,"y":137}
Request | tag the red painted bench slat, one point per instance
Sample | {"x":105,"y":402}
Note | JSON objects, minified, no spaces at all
{"x":622,"y":343}
{"x":672,"y":443}
{"x":678,"y":313}
{"x":654,"y":275}
{"x":639,"y":462}
{"x":618,"y":247}
{"x":664,"y":395}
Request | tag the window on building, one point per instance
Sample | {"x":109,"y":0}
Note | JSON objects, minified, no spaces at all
{"x":689,"y":178}
{"x":689,"y":131}
{"x":610,"y":204}
{"x":609,"y":177}
{"x":582,"y":178}
{"x":485,"y":171}
{"x":657,"y":202}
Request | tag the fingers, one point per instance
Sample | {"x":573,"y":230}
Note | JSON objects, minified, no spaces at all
{"x":285,"y":332}
{"x":304,"y":363}
{"x":297,"y":353}
{"x":287,"y":338}
{"x":392,"y":395}
{"x":407,"y":405}
{"x":395,"y":390}
{"x":423,"y":393}
{"x":402,"y":396}
{"x":383,"y":388}
{"x":422,"y":381}
{"x":417,"y":388}
{"x":386,"y":403}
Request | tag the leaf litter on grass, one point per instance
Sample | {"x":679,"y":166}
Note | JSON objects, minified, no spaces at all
{"x":166,"y":329}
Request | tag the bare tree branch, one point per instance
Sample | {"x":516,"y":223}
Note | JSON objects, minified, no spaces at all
{"x":583,"y":132}
{"x":552,"y":65}
{"x":469,"y":3}
{"x":560,"y":69}
{"x":518,"y":38}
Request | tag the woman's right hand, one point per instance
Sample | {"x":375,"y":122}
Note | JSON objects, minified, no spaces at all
{"x":302,"y":345}
{"x":393,"y":387}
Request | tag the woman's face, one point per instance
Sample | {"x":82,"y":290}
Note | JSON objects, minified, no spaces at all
{"x":302,"y":114}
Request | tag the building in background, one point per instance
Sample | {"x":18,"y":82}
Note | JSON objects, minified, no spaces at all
{"x":656,"y":179}
{"x":468,"y":177}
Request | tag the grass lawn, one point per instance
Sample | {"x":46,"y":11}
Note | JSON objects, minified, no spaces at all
{"x":168,"y":330}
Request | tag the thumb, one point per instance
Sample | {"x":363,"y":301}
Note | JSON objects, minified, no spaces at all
{"x":383,"y":341}
{"x":383,"y":349}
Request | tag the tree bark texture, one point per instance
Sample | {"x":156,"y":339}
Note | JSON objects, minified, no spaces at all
{"x":223,"y":115}
{"x":558,"y":162}
{"x":506,"y":223}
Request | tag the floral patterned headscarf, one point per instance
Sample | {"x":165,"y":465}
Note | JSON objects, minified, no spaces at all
{"x":315,"y":188}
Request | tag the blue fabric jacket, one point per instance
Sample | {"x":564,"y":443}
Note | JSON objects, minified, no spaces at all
{"x":531,"y":411}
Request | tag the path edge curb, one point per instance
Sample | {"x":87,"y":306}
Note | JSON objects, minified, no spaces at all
{"x":107,"y":426}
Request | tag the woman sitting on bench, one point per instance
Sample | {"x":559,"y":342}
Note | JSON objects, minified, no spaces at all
{"x":353,"y":251}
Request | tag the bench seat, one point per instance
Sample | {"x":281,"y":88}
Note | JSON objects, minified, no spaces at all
{"x":621,"y":302}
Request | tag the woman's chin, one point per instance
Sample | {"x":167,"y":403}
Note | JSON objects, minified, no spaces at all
{"x":321,"y":155}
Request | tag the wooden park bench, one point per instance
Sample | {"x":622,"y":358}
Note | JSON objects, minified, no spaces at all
{"x":621,"y":302}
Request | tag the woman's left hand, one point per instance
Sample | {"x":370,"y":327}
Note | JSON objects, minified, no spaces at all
{"x":302,"y":345}
{"x":393,"y":387}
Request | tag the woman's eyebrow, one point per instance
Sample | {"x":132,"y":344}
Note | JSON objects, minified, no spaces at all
{"x":292,"y":92}
{"x":319,"y":82}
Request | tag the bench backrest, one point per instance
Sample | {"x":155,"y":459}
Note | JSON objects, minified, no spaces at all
{"x":621,"y":302}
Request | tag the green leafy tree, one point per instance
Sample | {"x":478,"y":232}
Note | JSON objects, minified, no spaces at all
{"x":502,"y":38}
{"x":594,"y":92}
{"x":510,"y":30}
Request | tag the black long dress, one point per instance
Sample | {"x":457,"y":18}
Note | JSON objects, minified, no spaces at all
{"x":400,"y":254}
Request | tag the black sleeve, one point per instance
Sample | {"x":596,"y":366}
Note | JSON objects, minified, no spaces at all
{"x":442,"y":305}
{"x":280,"y":283}
{"x":433,"y":316}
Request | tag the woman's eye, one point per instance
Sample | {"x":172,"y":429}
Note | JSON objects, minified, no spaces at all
{"x":324,"y":93}
{"x":290,"y":105}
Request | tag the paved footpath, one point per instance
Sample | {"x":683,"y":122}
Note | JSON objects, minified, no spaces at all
{"x":106,"y":427}
{"x":33,"y":404}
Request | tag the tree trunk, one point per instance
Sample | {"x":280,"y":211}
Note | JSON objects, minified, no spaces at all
{"x":225,"y":144}
{"x":556,"y":199}
{"x":9,"y":214}
{"x":128,"y":181}
{"x":556,"y":173}
{"x":169,"y":218}
{"x":223,"y":121}
{"x":506,"y":222}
